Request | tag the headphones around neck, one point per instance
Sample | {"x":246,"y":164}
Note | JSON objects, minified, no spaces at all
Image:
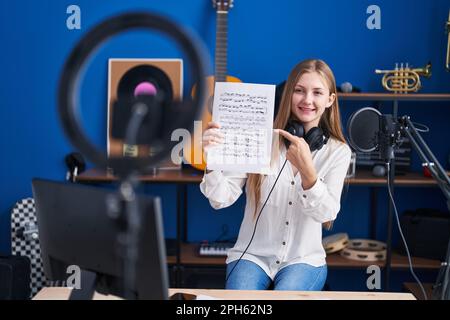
{"x":315,"y":137}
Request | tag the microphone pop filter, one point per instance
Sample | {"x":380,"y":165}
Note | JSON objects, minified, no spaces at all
{"x":363,"y":127}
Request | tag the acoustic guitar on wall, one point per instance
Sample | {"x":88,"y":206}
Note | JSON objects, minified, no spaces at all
{"x":193,"y":154}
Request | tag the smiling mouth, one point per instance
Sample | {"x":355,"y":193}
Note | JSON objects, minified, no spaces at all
{"x":307,"y":109}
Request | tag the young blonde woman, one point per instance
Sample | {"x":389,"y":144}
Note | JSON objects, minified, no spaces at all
{"x":286,"y":247}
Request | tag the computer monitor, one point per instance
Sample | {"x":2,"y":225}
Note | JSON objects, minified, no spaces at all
{"x":75,"y":229}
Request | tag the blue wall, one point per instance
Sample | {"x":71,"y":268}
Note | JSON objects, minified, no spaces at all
{"x":266,"y":38}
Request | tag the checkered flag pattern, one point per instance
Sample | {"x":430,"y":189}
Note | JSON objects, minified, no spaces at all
{"x":23,"y":219}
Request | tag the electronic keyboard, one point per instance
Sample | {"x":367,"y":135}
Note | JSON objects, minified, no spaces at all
{"x":215,"y":248}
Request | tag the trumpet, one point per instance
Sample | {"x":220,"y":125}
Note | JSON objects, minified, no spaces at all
{"x":404,"y":79}
{"x":447,"y":28}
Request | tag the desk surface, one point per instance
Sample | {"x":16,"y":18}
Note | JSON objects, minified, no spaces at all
{"x":63,"y":294}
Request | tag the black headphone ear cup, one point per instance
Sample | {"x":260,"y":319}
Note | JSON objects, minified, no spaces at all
{"x":295,"y":128}
{"x":315,"y":138}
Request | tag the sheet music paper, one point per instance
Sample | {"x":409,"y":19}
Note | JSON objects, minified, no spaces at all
{"x":244,"y":112}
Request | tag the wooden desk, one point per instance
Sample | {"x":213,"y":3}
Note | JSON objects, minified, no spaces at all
{"x":63,"y":294}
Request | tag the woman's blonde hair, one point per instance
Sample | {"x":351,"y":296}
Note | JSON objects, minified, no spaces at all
{"x":329,"y":122}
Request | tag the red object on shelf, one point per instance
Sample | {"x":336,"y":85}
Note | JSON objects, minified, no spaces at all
{"x":426,"y":172}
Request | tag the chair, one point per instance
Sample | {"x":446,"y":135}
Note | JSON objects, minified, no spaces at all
{"x":25,"y":240}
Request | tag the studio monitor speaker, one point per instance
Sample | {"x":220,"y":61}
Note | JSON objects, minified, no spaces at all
{"x":15,"y":278}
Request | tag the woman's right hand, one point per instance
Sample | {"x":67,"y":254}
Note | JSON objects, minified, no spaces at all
{"x":212,"y":136}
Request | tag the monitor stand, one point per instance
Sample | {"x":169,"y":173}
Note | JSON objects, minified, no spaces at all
{"x":182,"y":296}
{"x":87,"y":286}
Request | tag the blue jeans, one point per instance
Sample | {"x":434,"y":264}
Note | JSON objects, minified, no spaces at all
{"x":248,"y":275}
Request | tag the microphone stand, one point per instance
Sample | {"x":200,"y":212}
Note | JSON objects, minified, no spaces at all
{"x":390,"y":132}
{"x":427,"y":156}
{"x":125,"y":208}
{"x":388,"y":136}
{"x":441,"y":289}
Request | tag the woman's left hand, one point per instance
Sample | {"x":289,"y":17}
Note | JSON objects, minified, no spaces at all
{"x":300,"y":156}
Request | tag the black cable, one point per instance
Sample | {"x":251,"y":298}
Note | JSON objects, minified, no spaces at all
{"x":401,"y":234}
{"x":423,"y":129}
{"x":259,"y":215}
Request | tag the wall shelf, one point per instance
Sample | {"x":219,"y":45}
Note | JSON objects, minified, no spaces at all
{"x":362,"y":177}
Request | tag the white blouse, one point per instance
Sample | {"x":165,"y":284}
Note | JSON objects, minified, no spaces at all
{"x":290,"y":227}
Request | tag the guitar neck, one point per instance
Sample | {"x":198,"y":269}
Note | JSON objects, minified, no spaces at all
{"x":221,"y":46}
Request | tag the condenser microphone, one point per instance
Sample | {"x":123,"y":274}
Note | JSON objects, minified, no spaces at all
{"x":387,"y":137}
{"x":369,"y":130}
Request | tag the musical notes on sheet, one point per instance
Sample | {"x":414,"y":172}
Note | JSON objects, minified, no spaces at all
{"x":245,"y":114}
